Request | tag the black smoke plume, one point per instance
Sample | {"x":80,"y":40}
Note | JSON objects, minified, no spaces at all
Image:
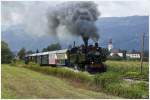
{"x":77,"y":17}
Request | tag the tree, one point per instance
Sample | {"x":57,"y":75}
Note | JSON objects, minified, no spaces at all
{"x":22,"y":53}
{"x":29,"y":52}
{"x":6,"y":53}
{"x":52,"y":47}
{"x":37,"y":51}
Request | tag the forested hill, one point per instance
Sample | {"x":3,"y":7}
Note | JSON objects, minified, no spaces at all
{"x":124,"y":31}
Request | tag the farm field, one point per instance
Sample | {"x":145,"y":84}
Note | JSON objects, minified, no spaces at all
{"x":25,"y":83}
{"x":129,"y":67}
{"x":122,"y":79}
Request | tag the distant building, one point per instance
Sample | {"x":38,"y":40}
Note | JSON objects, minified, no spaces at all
{"x":114,"y":51}
{"x":133,"y":54}
{"x":122,"y":53}
{"x":110,"y":46}
{"x":117,"y":52}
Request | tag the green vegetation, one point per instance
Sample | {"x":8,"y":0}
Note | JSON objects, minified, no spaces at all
{"x":22,"y":53}
{"x":128,"y":90}
{"x":127,"y":67}
{"x":57,"y":71}
{"x":52,"y":47}
{"x":136,"y":86}
{"x":6,"y":53}
{"x":111,"y":82}
{"x":21,"y":83}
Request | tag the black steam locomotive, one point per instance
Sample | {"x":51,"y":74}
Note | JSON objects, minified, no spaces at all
{"x":89,"y":58}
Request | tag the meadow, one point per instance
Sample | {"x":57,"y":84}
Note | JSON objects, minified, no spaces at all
{"x":23,"y":83}
{"x":122,"y":79}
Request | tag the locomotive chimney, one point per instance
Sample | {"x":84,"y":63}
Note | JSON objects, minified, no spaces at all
{"x":85,"y":39}
{"x":74,"y":44}
{"x":96,"y":44}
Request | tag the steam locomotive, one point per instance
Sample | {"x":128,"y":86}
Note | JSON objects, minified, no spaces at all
{"x":84,"y":57}
{"x":88,"y":58}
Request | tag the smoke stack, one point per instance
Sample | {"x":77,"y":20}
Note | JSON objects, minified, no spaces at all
{"x":74,"y":44}
{"x":96,"y":44}
{"x":85,"y":40}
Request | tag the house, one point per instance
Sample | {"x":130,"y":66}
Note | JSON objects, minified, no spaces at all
{"x":114,"y":51}
{"x":133,"y":54}
{"x":122,"y":53}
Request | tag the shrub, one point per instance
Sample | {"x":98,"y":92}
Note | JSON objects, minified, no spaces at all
{"x":103,"y":79}
{"x":134,"y":75}
{"x":18,"y":63}
{"x":33,"y":64}
{"x":83,"y":77}
{"x":121,"y":89}
{"x":61,"y":72}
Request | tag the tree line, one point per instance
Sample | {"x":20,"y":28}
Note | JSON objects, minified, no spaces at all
{"x":7,"y":56}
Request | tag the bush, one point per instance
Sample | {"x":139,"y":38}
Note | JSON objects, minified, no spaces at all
{"x":133,"y":75}
{"x":121,"y":89}
{"x":6,"y":53}
{"x":61,"y":72}
{"x":33,"y":64}
{"x":103,"y":79}
{"x":18,"y":63}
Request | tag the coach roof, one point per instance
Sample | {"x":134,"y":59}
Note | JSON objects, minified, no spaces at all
{"x":49,"y":52}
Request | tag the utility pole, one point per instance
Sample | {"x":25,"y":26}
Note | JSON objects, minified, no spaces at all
{"x":142,"y":51}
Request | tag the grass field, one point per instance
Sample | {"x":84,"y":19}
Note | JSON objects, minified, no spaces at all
{"x":25,"y":83}
{"x":123,"y":79}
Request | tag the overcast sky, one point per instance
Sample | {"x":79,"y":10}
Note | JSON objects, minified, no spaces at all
{"x":33,"y":13}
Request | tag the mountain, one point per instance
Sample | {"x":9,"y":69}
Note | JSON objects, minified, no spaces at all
{"x":125,"y":33}
{"x":16,"y":37}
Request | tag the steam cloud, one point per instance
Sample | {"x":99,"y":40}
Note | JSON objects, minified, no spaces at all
{"x":77,"y":18}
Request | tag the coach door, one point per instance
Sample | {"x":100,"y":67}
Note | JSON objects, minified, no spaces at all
{"x":61,"y":60}
{"x":44,"y":59}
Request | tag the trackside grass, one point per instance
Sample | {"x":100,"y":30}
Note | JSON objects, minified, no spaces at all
{"x":129,"y":69}
{"x":23,"y":83}
{"x":111,"y":82}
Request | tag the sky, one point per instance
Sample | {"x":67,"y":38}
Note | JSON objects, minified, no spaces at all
{"x":32,"y":14}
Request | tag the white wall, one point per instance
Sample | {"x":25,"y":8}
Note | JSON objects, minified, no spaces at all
{"x":133,"y":55}
{"x":110,"y":46}
{"x":119,"y":54}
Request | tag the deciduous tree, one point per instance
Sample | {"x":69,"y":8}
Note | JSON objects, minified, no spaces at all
{"x":6,"y":54}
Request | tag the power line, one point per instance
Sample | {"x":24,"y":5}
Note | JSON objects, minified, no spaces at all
{"x":142,"y":51}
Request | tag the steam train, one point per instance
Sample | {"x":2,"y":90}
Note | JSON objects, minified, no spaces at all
{"x":89,"y":58}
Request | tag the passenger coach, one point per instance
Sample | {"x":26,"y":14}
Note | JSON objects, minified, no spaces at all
{"x":58,"y":57}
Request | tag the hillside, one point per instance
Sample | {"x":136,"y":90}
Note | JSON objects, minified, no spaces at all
{"x":122,"y":30}
{"x":24,"y":83}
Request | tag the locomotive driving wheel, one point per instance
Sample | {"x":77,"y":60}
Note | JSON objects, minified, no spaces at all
{"x":99,"y":69}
